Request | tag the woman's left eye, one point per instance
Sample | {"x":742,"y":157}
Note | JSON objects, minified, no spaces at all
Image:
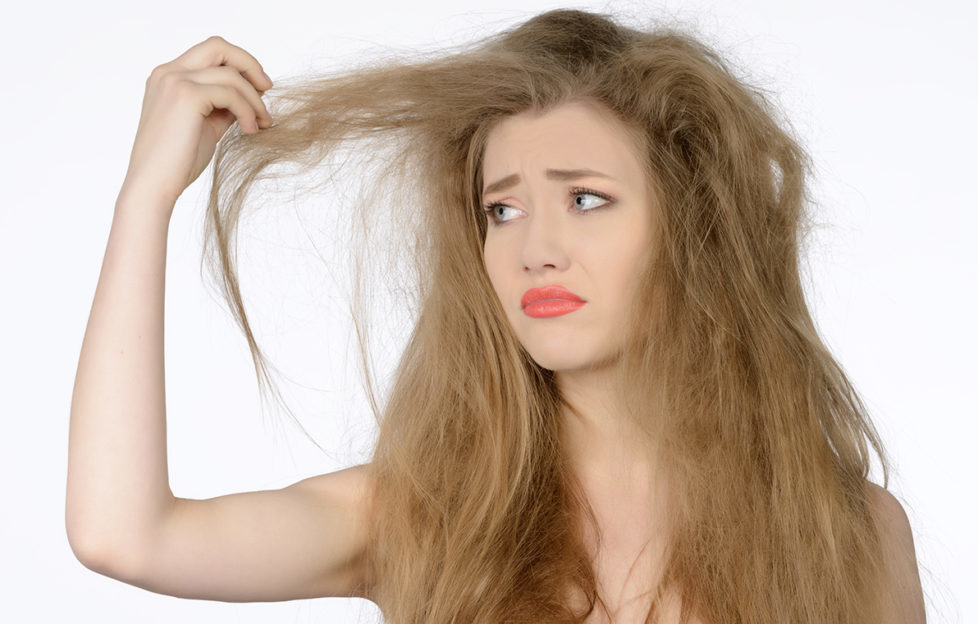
{"x":578,"y":193}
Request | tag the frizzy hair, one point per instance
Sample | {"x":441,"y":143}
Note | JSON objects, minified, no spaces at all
{"x":766,"y":445}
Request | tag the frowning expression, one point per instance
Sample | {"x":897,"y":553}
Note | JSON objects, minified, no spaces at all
{"x":567,"y":205}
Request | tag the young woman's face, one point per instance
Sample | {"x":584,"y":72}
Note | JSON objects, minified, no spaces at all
{"x":571,"y":209}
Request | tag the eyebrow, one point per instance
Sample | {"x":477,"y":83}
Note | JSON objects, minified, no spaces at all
{"x":562,"y":175}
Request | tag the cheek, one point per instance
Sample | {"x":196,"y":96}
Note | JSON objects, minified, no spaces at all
{"x":618,"y":259}
{"x":490,"y":259}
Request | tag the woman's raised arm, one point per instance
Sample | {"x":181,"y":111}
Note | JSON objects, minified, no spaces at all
{"x":121,"y":516}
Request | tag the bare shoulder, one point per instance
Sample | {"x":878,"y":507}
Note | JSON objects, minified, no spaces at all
{"x":905,"y":601}
{"x":351,"y":484}
{"x":892,"y":522}
{"x":347,"y":496}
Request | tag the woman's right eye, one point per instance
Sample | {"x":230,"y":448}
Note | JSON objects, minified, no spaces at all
{"x":493,"y":212}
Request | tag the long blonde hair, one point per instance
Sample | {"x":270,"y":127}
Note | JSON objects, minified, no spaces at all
{"x":766,"y":444}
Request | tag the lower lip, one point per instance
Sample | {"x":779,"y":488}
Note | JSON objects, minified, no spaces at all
{"x":551,"y":307}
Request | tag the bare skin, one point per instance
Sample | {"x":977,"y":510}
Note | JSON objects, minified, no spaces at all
{"x":122,"y":519}
{"x":587,"y":234}
{"x":308,"y":540}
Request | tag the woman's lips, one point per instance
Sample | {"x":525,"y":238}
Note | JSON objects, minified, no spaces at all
{"x":550,"y":301}
{"x":551,"y":307}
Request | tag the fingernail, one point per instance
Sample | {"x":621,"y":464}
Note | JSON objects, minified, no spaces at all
{"x":267,"y":78}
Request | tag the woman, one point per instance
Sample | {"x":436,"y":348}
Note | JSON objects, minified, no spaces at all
{"x":614,"y":405}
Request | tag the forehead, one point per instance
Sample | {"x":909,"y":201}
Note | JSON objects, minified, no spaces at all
{"x":572,"y":135}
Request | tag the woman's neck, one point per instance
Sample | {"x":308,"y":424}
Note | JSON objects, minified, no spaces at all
{"x":595,"y":432}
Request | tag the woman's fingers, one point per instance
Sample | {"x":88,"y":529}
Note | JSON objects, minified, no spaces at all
{"x":215,"y":61}
{"x":215,"y":51}
{"x":223,"y":96}
{"x":251,"y":109}
{"x":189,"y":104}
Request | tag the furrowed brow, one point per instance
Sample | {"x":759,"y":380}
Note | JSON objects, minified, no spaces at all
{"x":561,"y":175}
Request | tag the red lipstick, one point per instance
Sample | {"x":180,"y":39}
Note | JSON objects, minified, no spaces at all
{"x":550,"y":301}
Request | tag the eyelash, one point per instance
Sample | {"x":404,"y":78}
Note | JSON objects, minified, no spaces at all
{"x":490,"y":209}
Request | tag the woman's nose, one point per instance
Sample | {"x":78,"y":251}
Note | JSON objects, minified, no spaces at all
{"x":545,"y":241}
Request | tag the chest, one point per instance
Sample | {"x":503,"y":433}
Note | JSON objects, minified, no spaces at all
{"x":626,"y":580}
{"x":627,"y":563}
{"x":629,"y":546}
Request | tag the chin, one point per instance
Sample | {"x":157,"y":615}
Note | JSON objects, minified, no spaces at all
{"x":563,"y":359}
{"x":566,"y":351}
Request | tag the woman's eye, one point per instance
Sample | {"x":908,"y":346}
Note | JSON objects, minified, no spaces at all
{"x":583,"y":201}
{"x":493,"y":212}
{"x":583,"y":205}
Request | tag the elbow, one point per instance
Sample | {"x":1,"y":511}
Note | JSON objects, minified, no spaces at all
{"x":101,"y":552}
{"x":90,"y":551}
{"x":112,"y":542}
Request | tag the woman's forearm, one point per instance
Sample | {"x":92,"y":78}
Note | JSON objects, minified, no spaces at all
{"x":118,"y":487}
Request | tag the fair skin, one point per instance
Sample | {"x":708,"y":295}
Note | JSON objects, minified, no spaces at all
{"x":543,"y":232}
{"x":122,"y":520}
{"x":306,"y":540}
{"x":548,"y":230}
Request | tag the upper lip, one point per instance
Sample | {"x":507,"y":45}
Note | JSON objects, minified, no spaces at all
{"x":548,"y":292}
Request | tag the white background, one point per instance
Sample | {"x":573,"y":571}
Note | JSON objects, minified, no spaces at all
{"x":883,"y":93}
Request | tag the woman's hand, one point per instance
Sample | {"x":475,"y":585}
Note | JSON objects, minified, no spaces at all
{"x":188,"y":105}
